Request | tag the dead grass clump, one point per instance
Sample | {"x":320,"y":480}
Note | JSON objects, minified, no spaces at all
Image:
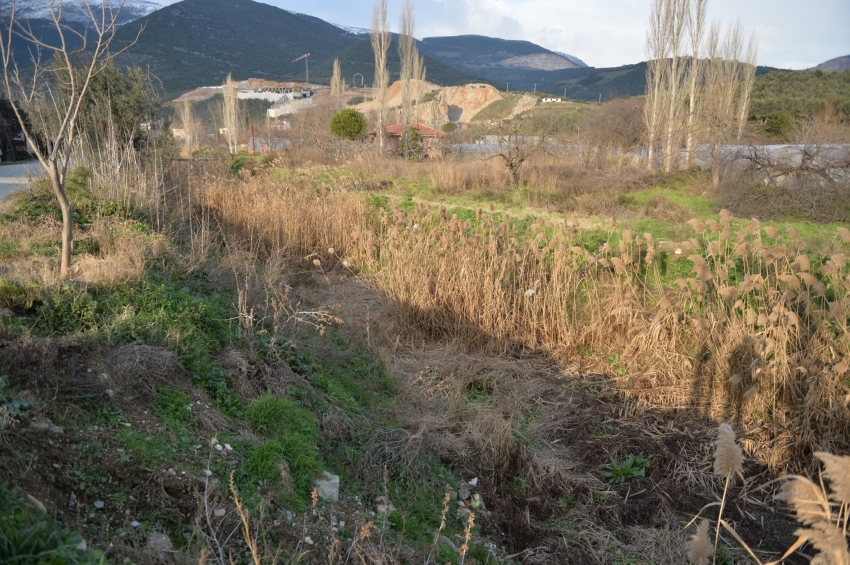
{"x":819,"y":200}
{"x":133,"y":373}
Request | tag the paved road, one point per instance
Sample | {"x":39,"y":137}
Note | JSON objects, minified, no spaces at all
{"x":16,"y":176}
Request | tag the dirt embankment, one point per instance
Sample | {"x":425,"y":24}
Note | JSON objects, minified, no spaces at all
{"x":448,"y":104}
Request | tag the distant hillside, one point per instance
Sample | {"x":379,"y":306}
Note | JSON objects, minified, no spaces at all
{"x":198,"y":42}
{"x":495,"y":59}
{"x":800,"y":93}
{"x":45,"y":30}
{"x":358,"y":58}
{"x":589,"y":83}
{"x":837,"y":64}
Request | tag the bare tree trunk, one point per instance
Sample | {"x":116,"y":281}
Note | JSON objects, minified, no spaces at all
{"x":696,"y":27}
{"x":380,"y":47}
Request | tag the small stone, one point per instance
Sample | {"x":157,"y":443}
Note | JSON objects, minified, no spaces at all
{"x":308,"y":540}
{"x":463,"y":493}
{"x":135,"y":524}
{"x":207,"y":473}
{"x":448,"y":543}
{"x":46,"y":426}
{"x":159,"y":542}
{"x":220,"y":512}
{"x":36,"y":502}
{"x":82,"y":546}
{"x":72,"y":500}
{"x":227,"y":447}
{"x":288,"y":515}
{"x":172,"y":472}
{"x":218,"y":447}
{"x":98,"y":504}
{"x":342,"y":523}
{"x":327,"y":487}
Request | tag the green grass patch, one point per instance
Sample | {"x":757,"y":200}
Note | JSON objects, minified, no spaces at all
{"x":30,"y":536}
{"x":272,"y":416}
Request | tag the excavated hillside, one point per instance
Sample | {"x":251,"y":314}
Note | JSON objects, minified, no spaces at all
{"x":449,"y":104}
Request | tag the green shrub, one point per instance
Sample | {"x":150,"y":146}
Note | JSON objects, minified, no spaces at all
{"x":449,"y":127}
{"x":778,"y":124}
{"x":348,"y":124}
{"x":356,"y":100}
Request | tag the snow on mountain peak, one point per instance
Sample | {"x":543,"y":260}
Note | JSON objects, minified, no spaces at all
{"x":75,"y":10}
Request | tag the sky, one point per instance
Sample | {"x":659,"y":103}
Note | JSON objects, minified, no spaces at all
{"x":609,"y":33}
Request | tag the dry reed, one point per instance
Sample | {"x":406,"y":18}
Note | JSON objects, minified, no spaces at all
{"x":758,"y":333}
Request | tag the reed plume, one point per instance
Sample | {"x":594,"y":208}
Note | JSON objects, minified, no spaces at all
{"x":700,"y":546}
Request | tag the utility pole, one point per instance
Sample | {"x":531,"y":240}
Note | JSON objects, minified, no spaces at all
{"x":306,"y":58}
{"x":565,"y":92}
{"x":507,"y":87}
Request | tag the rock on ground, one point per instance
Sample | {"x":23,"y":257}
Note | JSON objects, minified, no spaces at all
{"x":327,"y":487}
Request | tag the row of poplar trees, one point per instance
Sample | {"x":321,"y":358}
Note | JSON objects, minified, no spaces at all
{"x":698,"y":84}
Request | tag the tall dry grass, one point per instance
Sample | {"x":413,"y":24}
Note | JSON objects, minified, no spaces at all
{"x":753,"y":332}
{"x":273,"y":215}
{"x":756,"y":334}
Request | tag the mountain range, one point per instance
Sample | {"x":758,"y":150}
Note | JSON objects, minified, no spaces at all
{"x":838,"y":64}
{"x":198,"y":42}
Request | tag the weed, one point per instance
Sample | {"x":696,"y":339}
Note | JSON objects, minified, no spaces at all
{"x":632,"y":467}
{"x":29,"y":536}
{"x":11,"y":406}
{"x":174,"y":407}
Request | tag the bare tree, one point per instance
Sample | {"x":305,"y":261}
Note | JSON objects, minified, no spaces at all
{"x":56,"y":63}
{"x":676,"y":15}
{"x":230,"y":114}
{"x":380,"y":47}
{"x":516,"y":146}
{"x":722,"y":78}
{"x":338,"y":85}
{"x":409,"y":67}
{"x":696,"y":29}
{"x":184,"y":110}
{"x":657,"y":67}
{"x":748,"y":77}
